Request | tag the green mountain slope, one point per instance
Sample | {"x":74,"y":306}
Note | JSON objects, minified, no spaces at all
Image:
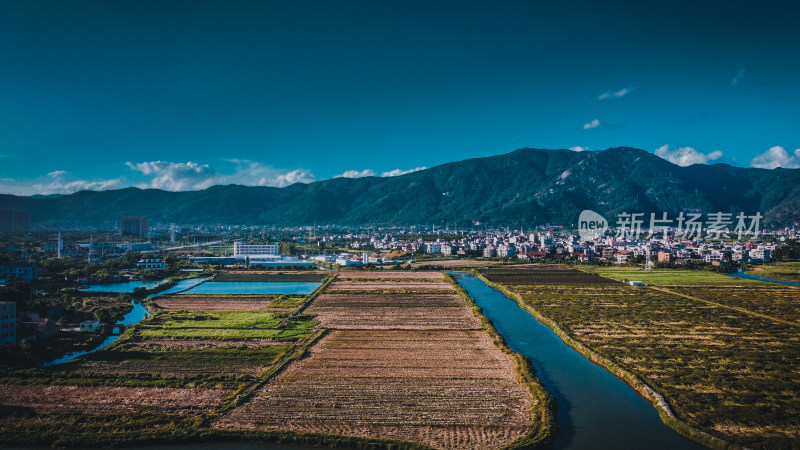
{"x":525,"y":187}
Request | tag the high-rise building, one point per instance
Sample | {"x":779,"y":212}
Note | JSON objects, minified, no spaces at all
{"x":15,"y":220}
{"x":8,"y":323}
{"x":136,"y":226}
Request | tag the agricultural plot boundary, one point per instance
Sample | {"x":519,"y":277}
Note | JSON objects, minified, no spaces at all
{"x":657,"y":400}
{"x":543,"y":425}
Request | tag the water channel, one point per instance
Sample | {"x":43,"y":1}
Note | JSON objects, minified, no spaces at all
{"x":596,"y":410}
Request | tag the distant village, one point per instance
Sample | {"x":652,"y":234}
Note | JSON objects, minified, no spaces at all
{"x":55,"y":269}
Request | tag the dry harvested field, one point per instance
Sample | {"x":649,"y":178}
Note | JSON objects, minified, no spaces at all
{"x":216,"y":303}
{"x":393,"y":311}
{"x":779,"y":302}
{"x":380,"y":300}
{"x":108,"y":399}
{"x":386,"y":275}
{"x":388,"y":286}
{"x":446,"y":389}
{"x":454,"y":263}
{"x":415,"y":367}
{"x":726,"y":357}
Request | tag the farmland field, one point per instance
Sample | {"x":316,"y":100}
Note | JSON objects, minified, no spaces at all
{"x":383,"y":275}
{"x":210,"y":365}
{"x":726,"y":357}
{"x":217,"y":302}
{"x":398,"y":365}
{"x":161,"y":378}
{"x":667,"y":277}
{"x":388,"y":286}
{"x":104,"y":399}
{"x":397,"y":311}
{"x":543,"y":276}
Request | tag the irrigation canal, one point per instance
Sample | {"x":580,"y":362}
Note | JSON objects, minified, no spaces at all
{"x":596,"y":410}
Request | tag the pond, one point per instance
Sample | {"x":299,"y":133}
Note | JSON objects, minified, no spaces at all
{"x":124,"y":287}
{"x":221,"y":288}
{"x":595,"y":409}
{"x":136,"y":315}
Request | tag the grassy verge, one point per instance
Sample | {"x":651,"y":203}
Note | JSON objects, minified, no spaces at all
{"x":543,"y":412}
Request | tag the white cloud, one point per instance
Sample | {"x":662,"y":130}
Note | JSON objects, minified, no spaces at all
{"x":170,"y":176}
{"x":738,"y":77}
{"x":578,"y":148}
{"x":190,"y":176}
{"x":166,"y":175}
{"x":686,"y":156}
{"x":295,"y":176}
{"x":593,"y":124}
{"x":617,"y":94}
{"x":252,"y":173}
{"x":777,"y":157}
{"x":356,"y":174}
{"x":398,"y":172}
{"x":59,"y":186}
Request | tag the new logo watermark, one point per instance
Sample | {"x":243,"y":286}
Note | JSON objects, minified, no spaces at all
{"x":591,"y":225}
{"x":688,"y":226}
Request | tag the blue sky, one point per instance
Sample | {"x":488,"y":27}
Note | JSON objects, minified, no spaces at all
{"x":183,"y":95}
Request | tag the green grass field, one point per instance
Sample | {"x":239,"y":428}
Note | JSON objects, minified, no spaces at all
{"x":216,"y":319}
{"x":669,"y":277}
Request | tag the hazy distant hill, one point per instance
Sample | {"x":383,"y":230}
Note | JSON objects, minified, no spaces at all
{"x":525,"y":187}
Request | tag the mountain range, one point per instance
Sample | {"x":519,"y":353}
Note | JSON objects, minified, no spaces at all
{"x":524,"y":188}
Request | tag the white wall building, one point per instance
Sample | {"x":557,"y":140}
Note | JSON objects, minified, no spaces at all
{"x":240,"y":249}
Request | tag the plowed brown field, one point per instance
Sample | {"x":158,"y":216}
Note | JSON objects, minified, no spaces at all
{"x":414,"y":367}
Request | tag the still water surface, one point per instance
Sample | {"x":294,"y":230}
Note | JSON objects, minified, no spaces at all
{"x":254,"y":287}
